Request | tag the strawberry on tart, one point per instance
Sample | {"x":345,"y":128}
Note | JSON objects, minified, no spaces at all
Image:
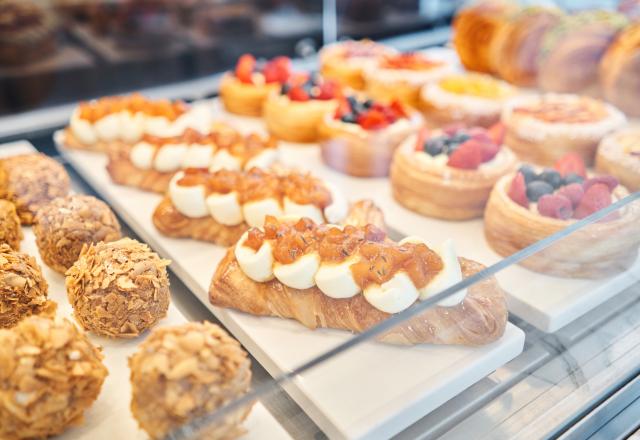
{"x":245,"y":90}
{"x":533,"y":203}
{"x":360,"y":137}
{"x":449,"y":173}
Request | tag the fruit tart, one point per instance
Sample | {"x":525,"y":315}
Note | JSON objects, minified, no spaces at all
{"x":448,"y":173}
{"x":571,"y":51}
{"x":543,"y":128}
{"x":151,"y":163}
{"x":220,"y":206}
{"x":533,"y":203}
{"x":470,"y":99}
{"x":515,"y":47}
{"x":294,"y":112}
{"x":619,"y":155}
{"x":352,"y":278}
{"x":95,"y":125}
{"x":619,"y":69}
{"x":401,"y":76}
{"x":345,"y":61}
{"x":245,"y":90}
{"x":360,"y":137}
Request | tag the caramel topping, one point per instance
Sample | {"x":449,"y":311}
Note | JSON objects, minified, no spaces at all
{"x":582,"y":110}
{"x":409,"y":61}
{"x":193,"y":177}
{"x":223,"y":181}
{"x":92,"y":111}
{"x":258,"y":184}
{"x":303,"y":189}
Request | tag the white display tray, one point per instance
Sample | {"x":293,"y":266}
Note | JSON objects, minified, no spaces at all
{"x":547,"y":302}
{"x":110,"y":417}
{"x":344,"y":397}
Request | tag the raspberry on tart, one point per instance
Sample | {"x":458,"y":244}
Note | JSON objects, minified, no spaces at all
{"x":448,"y":173}
{"x":359,"y":138}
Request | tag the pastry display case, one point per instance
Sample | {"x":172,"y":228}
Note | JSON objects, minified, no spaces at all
{"x":425,"y":236}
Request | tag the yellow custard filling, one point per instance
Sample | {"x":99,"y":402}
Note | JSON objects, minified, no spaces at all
{"x":478,"y":86}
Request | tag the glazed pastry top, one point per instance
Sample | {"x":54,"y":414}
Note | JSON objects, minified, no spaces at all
{"x":346,"y":261}
{"x":234,"y":197}
{"x":248,"y":70}
{"x":564,"y":192}
{"x":222,"y":148}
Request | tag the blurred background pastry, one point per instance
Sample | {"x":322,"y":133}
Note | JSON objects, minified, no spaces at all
{"x":27,"y":32}
{"x":118,"y":289}
{"x":515,"y":47}
{"x":181,"y":373}
{"x":619,"y":155}
{"x":31,"y":181}
{"x":571,"y":51}
{"x":620,"y":71}
{"x":475,"y":26}
{"x":65,"y":225}
{"x":50,"y":374}
{"x":23,"y":289}
{"x":10,"y":231}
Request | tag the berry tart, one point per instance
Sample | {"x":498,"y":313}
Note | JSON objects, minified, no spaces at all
{"x":245,"y":90}
{"x":533,"y":203}
{"x":401,"y":76}
{"x":352,"y":278}
{"x":571,"y":51}
{"x":448,"y":173}
{"x":294,"y":112}
{"x":543,"y":128}
{"x":619,"y":69}
{"x":360,"y":137}
{"x":151,"y":163}
{"x":619,"y":155}
{"x":220,"y":206}
{"x":471,"y":99}
{"x":345,"y":61}
{"x":98,"y":124}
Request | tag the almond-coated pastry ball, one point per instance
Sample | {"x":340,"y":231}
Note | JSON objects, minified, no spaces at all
{"x":10,"y":232}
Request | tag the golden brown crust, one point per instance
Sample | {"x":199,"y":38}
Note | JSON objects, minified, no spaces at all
{"x":445,"y":192}
{"x":612,"y":158}
{"x":23,"y":289}
{"x":437,"y":117}
{"x":358,"y":152}
{"x":66,"y":224}
{"x":345,"y":74}
{"x":172,"y":223}
{"x":118,"y":289}
{"x":244,"y":99}
{"x":594,"y":251}
{"x":31,"y":181}
{"x":295,"y":121}
{"x":70,"y":141}
{"x":50,"y":373}
{"x":181,"y":373}
{"x":123,"y":172}
{"x":480,"y":319}
{"x":387,"y":91}
{"x":10,"y":231}
{"x":548,"y":150}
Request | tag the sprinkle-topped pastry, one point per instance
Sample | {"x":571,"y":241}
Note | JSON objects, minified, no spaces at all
{"x":448,"y":173}
{"x":30,"y":181}
{"x":23,"y":289}
{"x":150,"y":163}
{"x":295,"y":112}
{"x":97,"y":124}
{"x":10,"y":231}
{"x":619,"y":155}
{"x":181,"y":373}
{"x":50,"y":374}
{"x":401,"y":76}
{"x":543,"y":128}
{"x":244,"y":90}
{"x":345,"y":61}
{"x":360,"y":137}
{"x":356,"y":277}
{"x":118,"y":289}
{"x":471,"y":99}
{"x":535,"y":202}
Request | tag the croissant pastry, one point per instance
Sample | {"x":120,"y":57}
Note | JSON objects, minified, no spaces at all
{"x":320,"y":283}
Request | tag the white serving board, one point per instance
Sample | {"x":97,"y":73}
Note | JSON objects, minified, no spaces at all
{"x":344,"y":399}
{"x":109,"y":417}
{"x":547,"y":302}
